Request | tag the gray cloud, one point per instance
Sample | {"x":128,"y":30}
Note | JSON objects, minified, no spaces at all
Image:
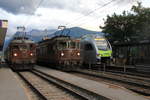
{"x":124,"y":2}
{"x":76,"y":5}
{"x":29,"y":6}
{"x":62,"y":4}
{"x":17,"y":6}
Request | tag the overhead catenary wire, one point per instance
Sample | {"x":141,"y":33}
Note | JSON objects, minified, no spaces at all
{"x":35,"y":8}
{"x":86,"y":21}
{"x":26,"y":21}
{"x":74,"y":21}
{"x":23,"y":8}
{"x":89,"y":13}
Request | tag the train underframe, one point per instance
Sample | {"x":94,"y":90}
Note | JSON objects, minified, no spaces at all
{"x":21,"y":67}
{"x":98,"y":64}
{"x":64,"y":65}
{"x":21,"y":64}
{"x":69,"y":65}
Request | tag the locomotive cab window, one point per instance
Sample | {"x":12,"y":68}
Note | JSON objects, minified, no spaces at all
{"x":15,"y":47}
{"x":102,"y":44}
{"x":31,"y":46}
{"x":72,"y":45}
{"x":62,"y":45}
{"x":88,"y":47}
{"x":22,"y":47}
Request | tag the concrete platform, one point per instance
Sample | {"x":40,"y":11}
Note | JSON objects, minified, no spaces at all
{"x":113,"y":92}
{"x":10,"y":87}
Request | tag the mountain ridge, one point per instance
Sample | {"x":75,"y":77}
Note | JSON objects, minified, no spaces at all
{"x":37,"y":35}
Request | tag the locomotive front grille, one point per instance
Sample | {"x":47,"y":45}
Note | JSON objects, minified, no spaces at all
{"x":24,"y":55}
{"x":24,"y":61}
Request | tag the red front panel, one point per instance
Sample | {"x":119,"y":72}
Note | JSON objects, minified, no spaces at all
{"x":69,"y":54}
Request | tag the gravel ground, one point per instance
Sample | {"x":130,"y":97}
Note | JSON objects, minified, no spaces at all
{"x":111,"y":82}
{"x":31,"y":94}
{"x":50,"y":91}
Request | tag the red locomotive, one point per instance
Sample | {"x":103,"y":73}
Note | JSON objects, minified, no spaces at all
{"x":60,"y":52}
{"x":20,"y":53}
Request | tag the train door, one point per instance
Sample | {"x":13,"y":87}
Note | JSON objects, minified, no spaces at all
{"x":89,"y":54}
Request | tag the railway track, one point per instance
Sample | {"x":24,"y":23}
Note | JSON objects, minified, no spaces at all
{"x":91,"y":90}
{"x":78,"y":91}
{"x":46,"y":89}
{"x":133,"y":73}
{"x":42,"y":83}
{"x":126,"y":75}
{"x":129,"y":71}
{"x":135,"y":83}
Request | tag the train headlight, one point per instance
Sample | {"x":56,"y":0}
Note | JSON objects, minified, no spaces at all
{"x":31,"y":54}
{"x":15,"y":54}
{"x":78,"y":54}
{"x":62,"y":54}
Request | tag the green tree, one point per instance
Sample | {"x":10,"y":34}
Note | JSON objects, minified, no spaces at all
{"x":128,"y":26}
{"x":142,"y":15}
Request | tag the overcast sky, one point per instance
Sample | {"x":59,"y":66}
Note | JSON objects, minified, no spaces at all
{"x":49,"y":14}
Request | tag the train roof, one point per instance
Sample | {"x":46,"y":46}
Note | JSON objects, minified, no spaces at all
{"x":92,"y":36}
{"x":59,"y":38}
{"x":22,"y":40}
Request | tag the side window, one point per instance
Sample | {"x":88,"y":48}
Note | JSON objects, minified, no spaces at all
{"x":49,"y":47}
{"x":38,"y":51}
{"x":78,"y":45}
{"x":88,"y":47}
{"x":32,"y":46}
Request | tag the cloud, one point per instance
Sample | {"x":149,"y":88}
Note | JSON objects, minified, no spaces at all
{"x":29,"y":6}
{"x":46,"y":18}
{"x":17,"y":6}
{"x":124,"y":2}
{"x":52,"y":13}
{"x":81,"y":6}
{"x":51,"y":18}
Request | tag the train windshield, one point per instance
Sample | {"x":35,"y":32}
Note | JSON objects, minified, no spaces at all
{"x":23,"y":47}
{"x":62,"y":45}
{"x":72,"y":45}
{"x":102,"y":44}
{"x":15,"y":47}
